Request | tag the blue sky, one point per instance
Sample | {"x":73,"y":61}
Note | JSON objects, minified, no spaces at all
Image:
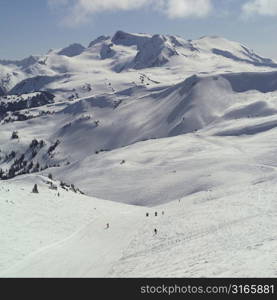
{"x":34,"y":26}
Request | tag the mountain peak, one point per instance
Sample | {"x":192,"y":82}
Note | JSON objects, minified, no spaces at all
{"x":100,"y":39}
{"x":212,"y":37}
{"x":130,"y":39}
{"x":72,"y":50}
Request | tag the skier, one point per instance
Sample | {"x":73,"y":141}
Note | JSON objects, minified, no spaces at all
{"x":155,"y":231}
{"x":108,"y":226}
{"x":147,"y":214}
{"x":156,"y":214}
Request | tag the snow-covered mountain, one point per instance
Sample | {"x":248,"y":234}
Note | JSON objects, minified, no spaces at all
{"x":69,"y":70}
{"x":139,"y":123}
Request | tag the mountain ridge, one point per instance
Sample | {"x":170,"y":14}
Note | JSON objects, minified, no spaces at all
{"x":127,"y":52}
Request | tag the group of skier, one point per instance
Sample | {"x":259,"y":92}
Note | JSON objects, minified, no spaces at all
{"x":147,"y":215}
{"x":155,"y":214}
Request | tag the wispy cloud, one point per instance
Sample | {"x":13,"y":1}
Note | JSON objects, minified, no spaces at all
{"x":187,"y":8}
{"x":260,"y":7}
{"x":80,"y":11}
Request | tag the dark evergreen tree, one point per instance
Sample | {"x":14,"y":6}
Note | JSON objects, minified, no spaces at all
{"x":35,"y":189}
{"x":14,"y":135}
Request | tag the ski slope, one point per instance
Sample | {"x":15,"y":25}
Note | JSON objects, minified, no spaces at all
{"x":46,"y":224}
{"x":219,"y":218}
{"x":196,"y":238}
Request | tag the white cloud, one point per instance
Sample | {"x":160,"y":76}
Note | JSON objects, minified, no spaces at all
{"x":187,"y":8}
{"x":92,"y":6}
{"x":80,"y":11}
{"x":261,"y":7}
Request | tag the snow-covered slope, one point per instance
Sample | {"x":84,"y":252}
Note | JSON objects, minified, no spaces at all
{"x":77,"y":130}
{"x":212,"y":232}
{"x":48,"y":223}
{"x":139,"y":123}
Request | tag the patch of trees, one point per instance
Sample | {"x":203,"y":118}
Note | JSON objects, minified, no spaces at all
{"x":53,"y":147}
{"x":101,"y":150}
{"x":24,"y":164}
{"x":27,"y":162}
{"x":70,"y":187}
{"x":10,"y":117}
{"x":20,"y":103}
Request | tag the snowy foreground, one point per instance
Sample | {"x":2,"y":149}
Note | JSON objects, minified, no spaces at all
{"x":136,"y":124}
{"x":225,"y":226}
